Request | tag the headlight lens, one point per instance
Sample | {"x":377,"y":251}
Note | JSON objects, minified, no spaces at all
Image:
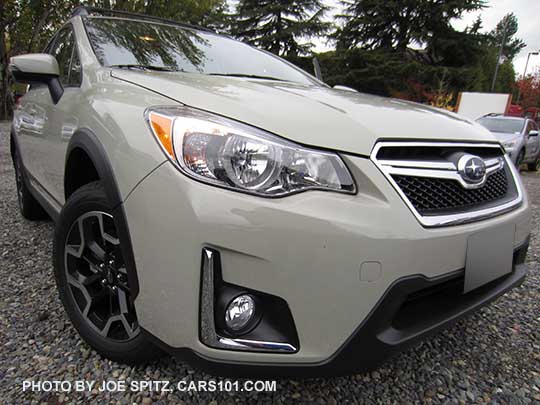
{"x":510,"y":144}
{"x":230,"y":154}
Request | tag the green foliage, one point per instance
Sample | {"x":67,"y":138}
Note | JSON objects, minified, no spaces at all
{"x":388,"y":73}
{"x":280,"y":26}
{"x":27,"y":25}
{"x":512,"y":45}
{"x":450,"y":47}
{"x":396,"y":24}
{"x":506,"y":78}
{"x":208,"y":13}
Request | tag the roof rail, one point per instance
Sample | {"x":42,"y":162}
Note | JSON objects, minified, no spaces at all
{"x":87,"y":11}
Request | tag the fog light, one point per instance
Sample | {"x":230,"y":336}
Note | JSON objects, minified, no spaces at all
{"x":239,"y":312}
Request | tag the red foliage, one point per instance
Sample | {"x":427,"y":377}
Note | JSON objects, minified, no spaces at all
{"x":414,"y":91}
{"x":529,"y":89}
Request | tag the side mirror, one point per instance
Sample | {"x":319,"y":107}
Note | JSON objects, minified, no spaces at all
{"x":340,"y":87}
{"x":37,"y":68}
{"x":534,"y":132}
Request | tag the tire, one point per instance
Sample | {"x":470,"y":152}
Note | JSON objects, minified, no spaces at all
{"x":28,"y":205}
{"x":534,"y":166}
{"x":92,"y":279}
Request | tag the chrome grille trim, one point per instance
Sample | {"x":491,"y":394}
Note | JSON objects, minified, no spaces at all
{"x":446,"y":170}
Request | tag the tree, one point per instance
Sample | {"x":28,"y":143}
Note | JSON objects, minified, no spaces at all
{"x":529,"y":89}
{"x":27,"y":25}
{"x":512,"y":45}
{"x":449,"y":47}
{"x":279,"y":26}
{"x":208,"y":13}
{"x":396,"y":24}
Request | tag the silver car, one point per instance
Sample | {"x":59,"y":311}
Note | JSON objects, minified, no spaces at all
{"x":215,"y":202}
{"x":519,"y":136}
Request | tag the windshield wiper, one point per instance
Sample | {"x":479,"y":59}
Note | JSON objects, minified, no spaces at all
{"x":247,"y":75}
{"x":145,"y":67}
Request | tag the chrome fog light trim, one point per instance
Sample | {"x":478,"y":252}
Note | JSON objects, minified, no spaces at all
{"x":208,"y":333}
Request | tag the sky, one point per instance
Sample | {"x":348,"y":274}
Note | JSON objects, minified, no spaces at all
{"x":527,"y":12}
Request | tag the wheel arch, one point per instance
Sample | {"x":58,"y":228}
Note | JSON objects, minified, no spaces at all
{"x":85,"y":149}
{"x":84,"y":144}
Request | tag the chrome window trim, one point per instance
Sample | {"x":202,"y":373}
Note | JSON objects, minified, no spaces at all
{"x":442,"y":170}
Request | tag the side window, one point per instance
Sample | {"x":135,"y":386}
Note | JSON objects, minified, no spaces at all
{"x":65,"y":52}
{"x":62,"y":50}
{"x":75,"y":70}
{"x":530,"y":126}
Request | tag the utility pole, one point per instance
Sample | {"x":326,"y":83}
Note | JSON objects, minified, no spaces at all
{"x":501,"y":48}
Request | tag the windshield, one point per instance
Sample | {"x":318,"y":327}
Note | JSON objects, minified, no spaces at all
{"x":503,"y":125}
{"x":132,"y":43}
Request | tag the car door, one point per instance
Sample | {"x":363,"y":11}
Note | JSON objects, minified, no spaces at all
{"x":532,"y":142}
{"x":45,"y":128}
{"x":62,"y":118}
{"x":32,"y":124}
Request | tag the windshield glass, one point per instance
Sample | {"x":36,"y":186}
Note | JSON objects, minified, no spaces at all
{"x":502,"y":125}
{"x":131,"y":43}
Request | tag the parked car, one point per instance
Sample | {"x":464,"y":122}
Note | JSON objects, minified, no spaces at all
{"x":215,"y":202}
{"x":519,"y":137}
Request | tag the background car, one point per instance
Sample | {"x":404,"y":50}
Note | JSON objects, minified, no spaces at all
{"x":519,"y":137}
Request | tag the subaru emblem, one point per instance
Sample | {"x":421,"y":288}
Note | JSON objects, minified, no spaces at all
{"x":472,"y":169}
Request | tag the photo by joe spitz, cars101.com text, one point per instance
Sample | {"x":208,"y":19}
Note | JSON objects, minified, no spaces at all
{"x":218,"y":205}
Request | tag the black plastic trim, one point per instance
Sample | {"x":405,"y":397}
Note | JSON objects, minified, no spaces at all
{"x":87,"y":141}
{"x":52,"y":81}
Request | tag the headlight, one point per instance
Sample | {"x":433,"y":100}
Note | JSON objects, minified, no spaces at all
{"x":510,"y":144}
{"x":230,"y":154}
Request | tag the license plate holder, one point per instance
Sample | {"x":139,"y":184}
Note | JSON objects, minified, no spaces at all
{"x":489,"y":256}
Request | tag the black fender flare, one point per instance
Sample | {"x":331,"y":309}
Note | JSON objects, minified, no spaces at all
{"x":86,"y":140}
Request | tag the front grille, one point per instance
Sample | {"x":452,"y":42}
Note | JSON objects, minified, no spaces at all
{"x":429,"y":177}
{"x":434,"y":196}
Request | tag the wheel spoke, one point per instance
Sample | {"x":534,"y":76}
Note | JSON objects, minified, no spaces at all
{"x":77,"y":284}
{"x":107,"y":327}
{"x":122,"y":301}
{"x":94,"y":264}
{"x":87,"y":280}
{"x":104,"y":235}
{"x":77,"y":250}
{"x":97,"y":252}
{"x":129,"y":330}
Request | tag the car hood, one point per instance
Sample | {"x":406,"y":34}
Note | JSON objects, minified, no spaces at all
{"x":312,"y":115}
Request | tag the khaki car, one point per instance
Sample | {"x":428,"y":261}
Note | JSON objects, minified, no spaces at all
{"x":214,"y":202}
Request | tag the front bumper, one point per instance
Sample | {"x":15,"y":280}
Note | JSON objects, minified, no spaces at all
{"x":332,"y":257}
{"x":411,"y":309}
